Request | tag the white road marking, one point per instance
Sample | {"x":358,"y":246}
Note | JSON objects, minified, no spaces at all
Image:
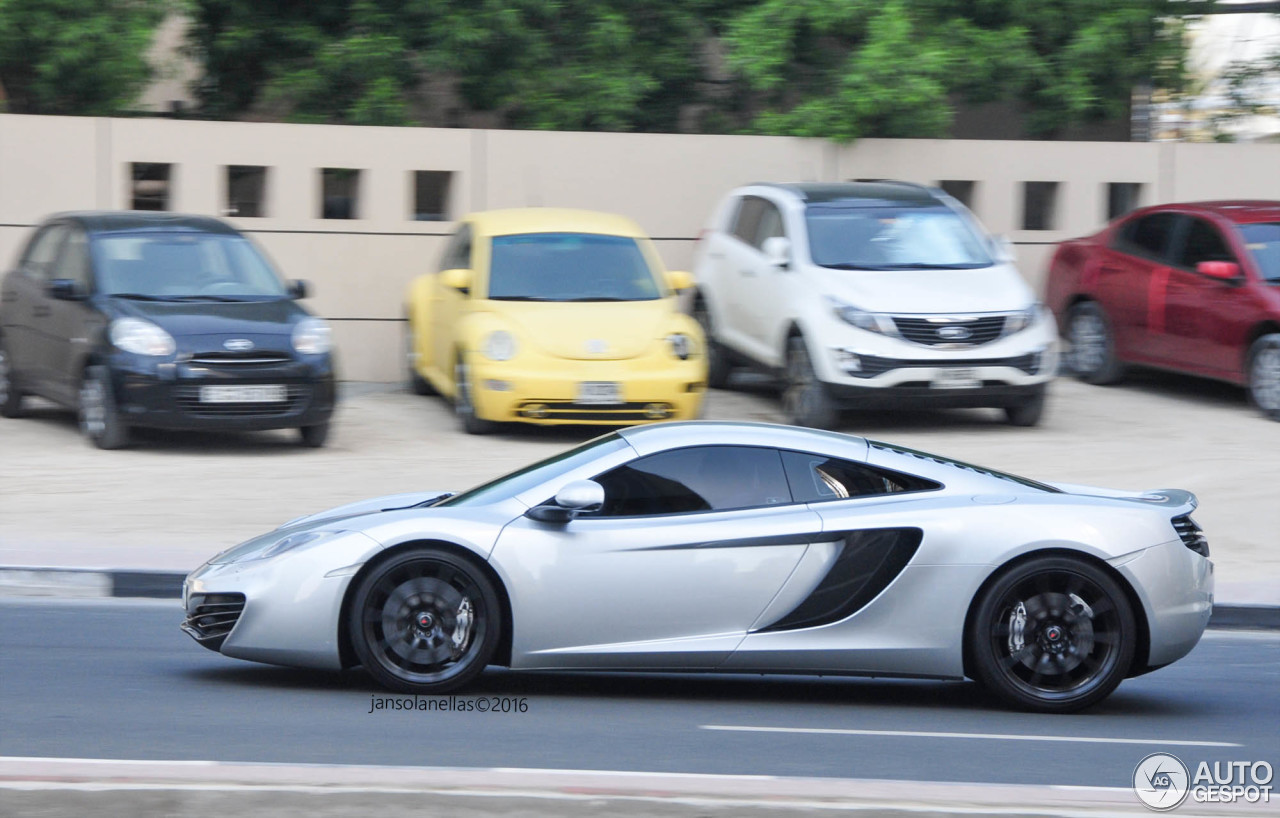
{"x":738,"y":728}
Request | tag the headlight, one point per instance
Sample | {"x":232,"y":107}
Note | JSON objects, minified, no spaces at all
{"x":870,"y":321}
{"x":271,"y":545}
{"x":681,"y":345}
{"x":499,"y":345}
{"x":1021,"y":320}
{"x":140,"y":337}
{"x":312,"y":336}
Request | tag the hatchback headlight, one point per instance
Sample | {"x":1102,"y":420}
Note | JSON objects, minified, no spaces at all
{"x":870,"y":321}
{"x":1021,"y":320}
{"x":140,"y":337}
{"x":681,"y":345}
{"x":500,"y":345}
{"x":312,"y":336}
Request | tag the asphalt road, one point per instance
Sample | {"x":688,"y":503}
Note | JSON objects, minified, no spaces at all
{"x":117,"y":679}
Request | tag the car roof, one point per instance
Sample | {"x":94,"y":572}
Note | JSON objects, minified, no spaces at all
{"x":872,"y":192}
{"x":660,"y":436}
{"x":517,"y":221}
{"x":133,"y":221}
{"x":1240,"y":211}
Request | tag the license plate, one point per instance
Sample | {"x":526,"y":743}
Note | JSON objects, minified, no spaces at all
{"x":956,"y":379}
{"x":598,"y":393}
{"x":271,"y":393}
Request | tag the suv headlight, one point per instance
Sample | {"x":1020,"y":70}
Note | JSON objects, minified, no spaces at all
{"x":500,"y":345}
{"x":1021,"y":320}
{"x":869,"y":321}
{"x":681,"y":345}
{"x":141,"y":337}
{"x":312,"y":336}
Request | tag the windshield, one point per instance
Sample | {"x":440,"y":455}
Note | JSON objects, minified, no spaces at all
{"x":894,"y":238}
{"x":184,"y":267}
{"x":569,"y":267}
{"x":1263,"y":241}
{"x":509,"y":485}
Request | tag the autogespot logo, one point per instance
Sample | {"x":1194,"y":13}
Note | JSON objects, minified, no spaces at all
{"x":1161,"y":781}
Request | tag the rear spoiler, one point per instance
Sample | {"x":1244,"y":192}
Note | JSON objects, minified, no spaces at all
{"x":1177,"y":500}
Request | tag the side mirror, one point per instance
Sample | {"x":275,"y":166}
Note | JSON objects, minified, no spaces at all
{"x":65,"y":289}
{"x":777,"y":250}
{"x":573,"y":499}
{"x":679,"y":280}
{"x":1222,"y":270}
{"x":457,"y":279}
{"x":1004,"y":249}
{"x":299,"y":289}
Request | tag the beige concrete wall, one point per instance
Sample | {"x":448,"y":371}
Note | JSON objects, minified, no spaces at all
{"x":668,"y":183}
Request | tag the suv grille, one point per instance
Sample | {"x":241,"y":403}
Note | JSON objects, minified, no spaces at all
{"x":1191,"y":534}
{"x":970,"y":332}
{"x":210,"y":617}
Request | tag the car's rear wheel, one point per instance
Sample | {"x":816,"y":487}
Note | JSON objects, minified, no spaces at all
{"x":1053,"y":634}
{"x":1029,"y":411}
{"x":10,"y":394}
{"x":719,"y":367}
{"x":1264,"y":375}
{"x":804,"y":398}
{"x":1092,"y":356}
{"x":100,"y":420}
{"x":464,"y":405}
{"x":425,"y":621}
{"x":417,"y":384}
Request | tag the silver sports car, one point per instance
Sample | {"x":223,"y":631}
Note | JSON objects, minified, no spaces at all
{"x":730,"y":547}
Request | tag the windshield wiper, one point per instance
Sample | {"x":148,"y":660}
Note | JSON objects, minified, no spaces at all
{"x":142,"y":297}
{"x":848,"y":266}
{"x":924,"y":265}
{"x":518,"y":298}
{"x":221,"y":298}
{"x":601,"y":298}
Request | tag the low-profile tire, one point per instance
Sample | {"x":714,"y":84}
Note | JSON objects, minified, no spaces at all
{"x":719,"y":367}
{"x":10,"y":394}
{"x":1092,"y":354}
{"x":1053,"y":634}
{"x":1029,"y":411}
{"x":1264,"y":375}
{"x":804,"y":398}
{"x":314,"y":436}
{"x":417,"y":384}
{"x":99,"y":417}
{"x":463,"y":404}
{"x":425,"y":621}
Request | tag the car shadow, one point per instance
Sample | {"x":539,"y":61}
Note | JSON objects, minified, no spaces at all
{"x":1179,"y":386}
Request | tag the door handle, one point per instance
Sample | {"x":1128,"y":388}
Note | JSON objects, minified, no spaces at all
{"x":748,"y":273}
{"x":1107,"y":268}
{"x":39,"y":312}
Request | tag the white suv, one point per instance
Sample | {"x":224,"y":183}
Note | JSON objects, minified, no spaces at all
{"x":869,"y":295}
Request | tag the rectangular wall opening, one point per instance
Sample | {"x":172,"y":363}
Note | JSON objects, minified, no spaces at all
{"x":149,"y":186}
{"x":959,"y":189}
{"x":1122,"y":197}
{"x":339,"y":193}
{"x":246,"y":191}
{"x":431,"y":195}
{"x":1040,"y":205}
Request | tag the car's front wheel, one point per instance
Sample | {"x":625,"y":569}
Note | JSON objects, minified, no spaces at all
{"x":99,"y":417}
{"x":1029,"y":411}
{"x":426,"y":621}
{"x":464,"y":405}
{"x":1264,"y":375}
{"x":1092,"y":355}
{"x":719,"y":367}
{"x":314,"y":436}
{"x":804,"y":398}
{"x":1053,"y":634}
{"x":10,"y":394}
{"x":418,"y":385}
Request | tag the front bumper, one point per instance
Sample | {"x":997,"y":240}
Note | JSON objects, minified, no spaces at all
{"x":1175,"y":586}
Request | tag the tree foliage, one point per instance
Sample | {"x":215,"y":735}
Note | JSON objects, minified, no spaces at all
{"x":75,"y":56}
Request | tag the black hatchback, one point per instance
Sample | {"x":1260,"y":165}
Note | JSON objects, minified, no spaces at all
{"x":161,"y":320}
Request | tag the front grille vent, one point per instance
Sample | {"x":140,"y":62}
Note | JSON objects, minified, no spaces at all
{"x":1191,"y":534}
{"x":950,"y":332}
{"x":210,"y":617}
{"x":187,"y":397}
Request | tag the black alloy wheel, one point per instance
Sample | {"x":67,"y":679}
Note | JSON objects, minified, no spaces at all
{"x":313,"y":437}
{"x":99,"y":418}
{"x":1054,"y":635}
{"x":425,"y":621}
{"x":1029,"y":411}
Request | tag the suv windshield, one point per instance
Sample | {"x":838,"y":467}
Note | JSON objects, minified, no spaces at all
{"x":1263,"y":241}
{"x":569,"y":267}
{"x":893,"y":238}
{"x":184,"y":267}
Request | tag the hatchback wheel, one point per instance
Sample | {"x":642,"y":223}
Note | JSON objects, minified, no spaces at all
{"x":10,"y":394}
{"x":1264,"y":375}
{"x":99,"y":417}
{"x":805,"y":399}
{"x":313,"y":437}
{"x":1092,"y":357}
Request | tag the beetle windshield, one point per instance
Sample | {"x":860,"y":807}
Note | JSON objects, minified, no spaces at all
{"x":1263,"y":241}
{"x":894,"y":237}
{"x":187,"y":266}
{"x":569,"y":267}
{"x":517,"y":482}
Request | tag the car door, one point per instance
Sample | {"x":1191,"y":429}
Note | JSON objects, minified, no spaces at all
{"x":71,"y":322}
{"x":689,"y":549}
{"x":1135,"y":263}
{"x":28,"y":311}
{"x":447,"y":302}
{"x":1203,"y":316}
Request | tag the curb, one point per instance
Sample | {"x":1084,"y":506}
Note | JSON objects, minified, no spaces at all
{"x":92,"y":583}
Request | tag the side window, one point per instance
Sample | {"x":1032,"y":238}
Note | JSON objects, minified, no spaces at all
{"x":41,"y":252}
{"x":816,"y":477}
{"x":747,"y":223}
{"x":770,"y":224}
{"x":73,"y":261}
{"x":704,"y":478}
{"x":458,"y":254}
{"x":1203,"y":243}
{"x":1148,"y":236}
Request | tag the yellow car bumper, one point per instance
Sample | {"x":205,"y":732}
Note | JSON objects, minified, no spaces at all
{"x":549,"y":394}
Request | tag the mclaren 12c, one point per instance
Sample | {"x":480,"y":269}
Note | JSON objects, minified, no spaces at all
{"x":728,"y":547}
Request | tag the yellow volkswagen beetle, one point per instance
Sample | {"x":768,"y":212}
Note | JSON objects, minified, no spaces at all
{"x":554,"y":316}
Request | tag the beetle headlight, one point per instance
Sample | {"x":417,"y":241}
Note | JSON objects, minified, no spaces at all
{"x":869,"y":321}
{"x":140,"y":337}
{"x":500,"y":345}
{"x":312,"y":336}
{"x":681,"y":345}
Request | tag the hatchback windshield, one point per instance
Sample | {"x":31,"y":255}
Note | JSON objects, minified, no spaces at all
{"x":569,"y":267}
{"x":894,"y":238}
{"x":1263,"y":241}
{"x":184,"y":267}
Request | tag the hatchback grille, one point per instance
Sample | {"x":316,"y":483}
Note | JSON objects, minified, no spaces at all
{"x":950,"y":331}
{"x":187,"y":397}
{"x":239,"y":359}
{"x":1191,"y":534}
{"x":210,"y":617}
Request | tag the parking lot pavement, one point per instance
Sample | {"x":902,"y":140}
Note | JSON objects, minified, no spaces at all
{"x":172,"y":500}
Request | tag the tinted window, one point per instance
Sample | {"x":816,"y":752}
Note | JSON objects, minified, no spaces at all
{"x":457,"y":256}
{"x":960,"y":464}
{"x":1149,"y":235}
{"x":1263,"y":241}
{"x":815,"y":477}
{"x":569,"y":267}
{"x":747,"y":222}
{"x":1203,"y":243}
{"x":894,"y":237}
{"x":42,"y":251}
{"x":184,"y":266}
{"x":704,"y":478}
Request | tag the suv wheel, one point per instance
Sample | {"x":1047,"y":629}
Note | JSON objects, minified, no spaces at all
{"x":805,"y":399}
{"x":1029,"y":411}
{"x":718,"y":366}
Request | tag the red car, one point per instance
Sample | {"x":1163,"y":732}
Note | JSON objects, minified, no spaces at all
{"x":1189,"y":287}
